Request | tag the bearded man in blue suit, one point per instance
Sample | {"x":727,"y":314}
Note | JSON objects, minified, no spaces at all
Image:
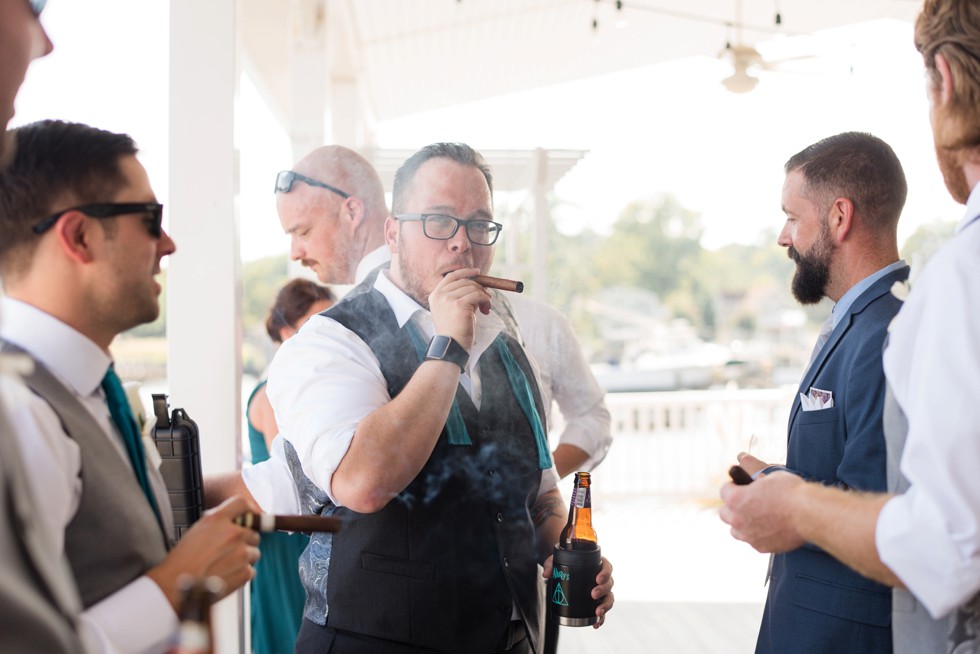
{"x":842,"y":198}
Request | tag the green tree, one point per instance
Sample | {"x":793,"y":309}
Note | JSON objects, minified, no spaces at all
{"x":653,"y":245}
{"x":925,"y":241}
{"x":261,"y":280}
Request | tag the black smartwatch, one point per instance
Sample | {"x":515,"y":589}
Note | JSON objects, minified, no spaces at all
{"x":445,"y":348}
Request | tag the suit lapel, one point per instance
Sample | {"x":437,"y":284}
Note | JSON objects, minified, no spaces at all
{"x":874,"y":292}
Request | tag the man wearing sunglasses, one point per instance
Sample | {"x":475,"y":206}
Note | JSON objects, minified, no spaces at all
{"x":81,"y":243}
{"x":407,"y":408}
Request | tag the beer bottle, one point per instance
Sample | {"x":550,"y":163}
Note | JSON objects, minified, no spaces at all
{"x":578,"y":533}
{"x":194,"y":634}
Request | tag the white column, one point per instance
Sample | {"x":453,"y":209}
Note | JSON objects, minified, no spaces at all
{"x":542,"y":224}
{"x":308,"y":77}
{"x":204,"y":277}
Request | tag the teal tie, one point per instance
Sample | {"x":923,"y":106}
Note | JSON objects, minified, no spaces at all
{"x":125,"y":421}
{"x":456,"y":426}
{"x":522,"y":391}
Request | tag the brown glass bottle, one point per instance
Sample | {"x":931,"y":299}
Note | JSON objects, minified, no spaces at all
{"x":194,"y":635}
{"x":578,"y":533}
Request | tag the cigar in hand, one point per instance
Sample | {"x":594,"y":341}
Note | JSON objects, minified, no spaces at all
{"x":740,"y":476}
{"x":500,"y":283}
{"x":307,"y":524}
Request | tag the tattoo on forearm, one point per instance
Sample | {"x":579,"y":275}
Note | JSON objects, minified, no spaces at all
{"x":546,"y":507}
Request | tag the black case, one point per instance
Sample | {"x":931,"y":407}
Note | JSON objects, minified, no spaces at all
{"x":177,"y":440}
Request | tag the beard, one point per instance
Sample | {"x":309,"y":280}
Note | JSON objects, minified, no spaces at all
{"x":812,"y":270}
{"x":412,"y":280}
{"x":951,"y":166}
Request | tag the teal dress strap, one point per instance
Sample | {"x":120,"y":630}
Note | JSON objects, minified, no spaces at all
{"x":256,"y":439}
{"x":277,"y":595}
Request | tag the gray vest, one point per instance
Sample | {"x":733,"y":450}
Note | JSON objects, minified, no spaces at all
{"x":114,"y":537}
{"x":914,"y":631}
{"x":38,"y":599}
{"x":445,"y":562}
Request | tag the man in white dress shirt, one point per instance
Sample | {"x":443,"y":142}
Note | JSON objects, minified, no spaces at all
{"x":406,"y":408}
{"x":332,"y":206}
{"x":80,"y":245}
{"x":923,"y":538}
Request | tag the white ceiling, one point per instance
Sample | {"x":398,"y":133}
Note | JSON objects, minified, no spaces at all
{"x":408,"y":56}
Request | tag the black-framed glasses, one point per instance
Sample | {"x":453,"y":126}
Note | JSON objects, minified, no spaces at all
{"x":154,"y":222}
{"x":285,"y":179}
{"x":442,"y":227}
{"x":37,"y":6}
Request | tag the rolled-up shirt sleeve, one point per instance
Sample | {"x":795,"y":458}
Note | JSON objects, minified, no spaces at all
{"x":271,"y":483}
{"x":322,"y":382}
{"x":930,"y":535}
{"x":579,"y":397}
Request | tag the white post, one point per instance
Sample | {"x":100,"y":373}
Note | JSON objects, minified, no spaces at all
{"x":204,"y":277}
{"x":542,"y":225}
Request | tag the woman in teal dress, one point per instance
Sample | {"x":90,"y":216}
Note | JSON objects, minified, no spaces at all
{"x":277,"y":595}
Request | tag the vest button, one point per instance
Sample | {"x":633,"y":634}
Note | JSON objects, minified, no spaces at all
{"x":492,"y":472}
{"x":506,"y":562}
{"x":500,"y":517}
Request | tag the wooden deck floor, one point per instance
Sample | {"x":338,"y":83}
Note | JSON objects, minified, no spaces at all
{"x":668,"y":628}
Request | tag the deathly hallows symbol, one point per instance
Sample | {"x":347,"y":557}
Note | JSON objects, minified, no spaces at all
{"x":558,"y":597}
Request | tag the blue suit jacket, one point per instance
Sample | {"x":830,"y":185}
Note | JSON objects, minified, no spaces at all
{"x":815,"y":603}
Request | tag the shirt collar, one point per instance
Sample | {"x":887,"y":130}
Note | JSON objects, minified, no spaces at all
{"x":405,"y":309}
{"x":371,"y":260}
{"x":844,"y":304}
{"x":67,"y":353}
{"x":972,"y":209}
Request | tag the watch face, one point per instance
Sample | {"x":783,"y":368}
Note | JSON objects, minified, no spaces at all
{"x":444,"y":348}
{"x":439,"y":346}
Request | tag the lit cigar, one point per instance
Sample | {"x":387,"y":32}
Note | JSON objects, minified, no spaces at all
{"x":307,"y":524}
{"x":499,"y":283}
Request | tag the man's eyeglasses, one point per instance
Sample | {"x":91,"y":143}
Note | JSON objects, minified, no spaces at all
{"x":443,"y":228}
{"x":154,"y":222}
{"x":37,"y":6}
{"x":285,"y":179}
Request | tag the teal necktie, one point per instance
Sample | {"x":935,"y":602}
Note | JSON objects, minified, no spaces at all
{"x":456,"y":426}
{"x":125,"y":421}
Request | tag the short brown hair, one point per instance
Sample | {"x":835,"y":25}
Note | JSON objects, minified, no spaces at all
{"x":54,"y":162}
{"x":458,"y":152}
{"x":857,"y":166}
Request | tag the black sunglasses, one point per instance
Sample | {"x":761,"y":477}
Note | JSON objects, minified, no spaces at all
{"x":37,"y":6}
{"x":285,"y":179}
{"x":110,"y":210}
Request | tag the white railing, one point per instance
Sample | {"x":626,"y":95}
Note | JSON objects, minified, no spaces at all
{"x":684,"y":442}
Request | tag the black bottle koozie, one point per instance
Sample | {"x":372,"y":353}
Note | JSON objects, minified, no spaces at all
{"x":570,"y":587}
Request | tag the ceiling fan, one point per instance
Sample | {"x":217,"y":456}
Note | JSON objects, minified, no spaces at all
{"x":745,"y":59}
{"x":742,"y":58}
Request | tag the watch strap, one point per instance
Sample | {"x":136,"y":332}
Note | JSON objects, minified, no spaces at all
{"x":446,"y":348}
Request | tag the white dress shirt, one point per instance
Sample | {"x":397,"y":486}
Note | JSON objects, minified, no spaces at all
{"x":138,"y":617}
{"x":565,"y":378}
{"x":930,"y":535}
{"x":371,"y":260}
{"x":324,"y":380}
